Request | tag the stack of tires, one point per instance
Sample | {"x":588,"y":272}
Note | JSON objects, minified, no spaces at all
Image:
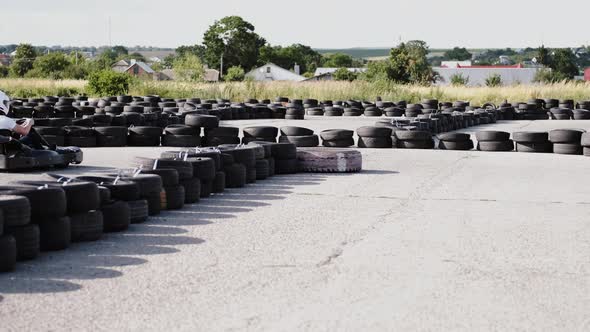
{"x":372,"y":111}
{"x":558,"y":113}
{"x":80,"y":136}
{"x":144,"y":136}
{"x":413,"y":139}
{"x":566,"y":141}
{"x":111,"y":136}
{"x":221,"y":135}
{"x":374,"y":137}
{"x":126,"y":191}
{"x":19,"y":239}
{"x":184,"y":171}
{"x":172,"y":196}
{"x":352,"y":111}
{"x":316,"y":111}
{"x":295,"y":110}
{"x":581,"y":114}
{"x":333,"y":111}
{"x":150,"y":189}
{"x":301,"y":137}
{"x":494,"y":141}
{"x":204,"y":172}
{"x":48,"y":212}
{"x":201,"y":121}
{"x":265,"y":165}
{"x":181,"y":136}
{"x":265,"y":134}
{"x":83,"y":208}
{"x":245,"y":156}
{"x":337,"y":138}
{"x":455,"y":141}
{"x":413,"y":110}
{"x":528,"y":141}
{"x":54,"y":135}
{"x":285,"y":157}
{"x":235,"y":173}
{"x":393,"y":111}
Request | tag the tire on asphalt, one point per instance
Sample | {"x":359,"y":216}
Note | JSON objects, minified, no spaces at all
{"x":539,"y":147}
{"x":301,"y":141}
{"x":314,"y":160}
{"x":490,"y":135}
{"x":87,"y":226}
{"x":567,"y":148}
{"x":375,"y":142}
{"x":55,"y":233}
{"x":116,"y":216}
{"x":28,"y":241}
{"x":495,"y":145}
{"x":456,"y":145}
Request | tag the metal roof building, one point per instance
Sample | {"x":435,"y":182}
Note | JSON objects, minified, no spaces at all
{"x":477,"y":75}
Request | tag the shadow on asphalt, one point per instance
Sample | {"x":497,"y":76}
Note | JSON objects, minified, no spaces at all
{"x":55,"y":272}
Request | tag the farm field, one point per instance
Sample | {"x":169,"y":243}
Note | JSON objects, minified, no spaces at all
{"x":328,"y":90}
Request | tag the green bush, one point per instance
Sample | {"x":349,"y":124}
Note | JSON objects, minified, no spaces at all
{"x":343,"y":74}
{"x":494,"y":80}
{"x":459,"y":80}
{"x":108,"y":83}
{"x":234,"y":74}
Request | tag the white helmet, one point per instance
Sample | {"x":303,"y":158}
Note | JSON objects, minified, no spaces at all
{"x":4,"y":106}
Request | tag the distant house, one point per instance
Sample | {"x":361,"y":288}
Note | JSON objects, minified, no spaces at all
{"x":478,"y":74}
{"x":272,"y":72}
{"x":5,"y":60}
{"x":455,"y":64}
{"x":134,"y":68}
{"x":327,"y":74}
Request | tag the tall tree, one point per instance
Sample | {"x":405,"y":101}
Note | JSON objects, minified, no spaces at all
{"x":543,"y":56}
{"x":563,"y":61}
{"x":458,"y":53}
{"x":23,"y":60}
{"x":233,"y":39}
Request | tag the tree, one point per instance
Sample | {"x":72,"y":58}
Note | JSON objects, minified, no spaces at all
{"x":119,"y":50}
{"x":407,"y":63}
{"x":379,"y":71}
{"x":343,"y":74}
{"x":286,"y":57}
{"x":459,"y":80}
{"x":137,"y":56}
{"x":234,"y":74}
{"x":418,"y":67}
{"x":108,"y":83}
{"x":543,"y":56}
{"x":494,"y":80}
{"x":198,"y":50}
{"x":188,"y":68}
{"x":458,"y":53}
{"x":563,"y":61}
{"x":233,"y":39}
{"x":52,"y":65}
{"x":339,"y":60}
{"x":23,"y":60}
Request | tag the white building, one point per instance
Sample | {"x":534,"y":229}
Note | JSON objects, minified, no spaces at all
{"x":272,"y":72}
{"x":477,"y":74}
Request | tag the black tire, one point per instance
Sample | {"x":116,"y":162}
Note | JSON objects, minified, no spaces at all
{"x":295,"y":131}
{"x":375,"y":142}
{"x":455,"y":137}
{"x":16,"y":210}
{"x":415,"y":144}
{"x":285,"y":166}
{"x":192,"y":190}
{"x":116,"y":216}
{"x":540,"y":147}
{"x":174,"y":197}
{"x":122,"y":190}
{"x":220,"y":140}
{"x":530,"y":137}
{"x":148,"y":183}
{"x":271,"y":166}
{"x":182,"y":130}
{"x":267,"y":132}
{"x":55,"y":234}
{"x":247,"y":140}
{"x":284,"y":151}
{"x":192,"y":153}
{"x":412,"y":135}
{"x":80,"y":196}
{"x":336,"y":134}
{"x":494,"y":136}
{"x":222,"y":132}
{"x":203,"y":168}
{"x":566,"y":135}
{"x":241,"y":155}
{"x":8,"y":253}
{"x":266,"y":147}
{"x":567,"y":148}
{"x":117,"y":131}
{"x":206,"y":188}
{"x":373,"y":131}
{"x":142,"y":140}
{"x":340,"y":143}
{"x":146,"y":131}
{"x":154,"y":201}
{"x":184,"y":169}
{"x":262,"y":169}
{"x":87,"y":226}
{"x":45,"y":202}
{"x":219,"y":182}
{"x":138,"y":211}
{"x":27,"y":241}
{"x":456,"y":145}
{"x":111,"y":141}
{"x":495,"y":145}
{"x":168,"y":176}
{"x":301,"y":141}
{"x":105,"y":195}
{"x":235,"y":175}
{"x":200,"y":120}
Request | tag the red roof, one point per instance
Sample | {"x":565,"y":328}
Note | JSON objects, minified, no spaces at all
{"x":587,"y":74}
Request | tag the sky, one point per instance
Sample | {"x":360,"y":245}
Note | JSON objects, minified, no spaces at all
{"x":317,"y":23}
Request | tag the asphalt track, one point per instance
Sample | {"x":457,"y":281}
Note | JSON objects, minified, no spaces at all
{"x":420,"y":240}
